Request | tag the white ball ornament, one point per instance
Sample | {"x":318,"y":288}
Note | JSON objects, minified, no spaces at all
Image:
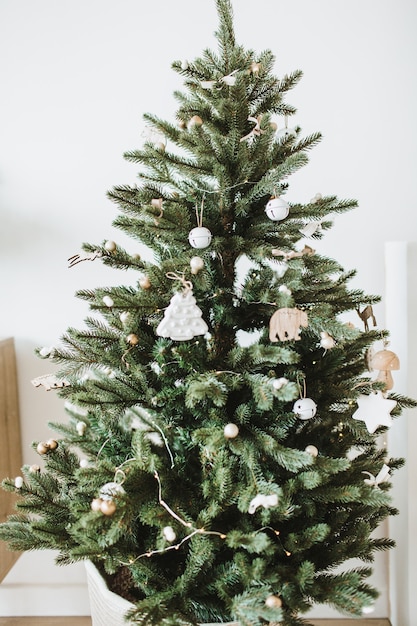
{"x":169,"y":533}
{"x":327,"y":342}
{"x":305,"y":408}
{"x":231,"y":431}
{"x":367,"y":610}
{"x":18,"y":482}
{"x":110,"y":246}
{"x":81,"y":426}
{"x":196,"y":264}
{"x":312,"y":450}
{"x":278,"y":383}
{"x":108,"y":301}
{"x":285,"y":290}
{"x":124,"y":317}
{"x":200,"y":237}
{"x":277,"y":209}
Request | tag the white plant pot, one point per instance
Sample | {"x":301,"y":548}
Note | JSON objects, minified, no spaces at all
{"x":108,"y":608}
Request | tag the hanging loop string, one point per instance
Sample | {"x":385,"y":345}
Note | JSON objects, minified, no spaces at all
{"x":186,"y":284}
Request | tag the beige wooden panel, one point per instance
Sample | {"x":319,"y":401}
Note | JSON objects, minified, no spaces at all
{"x":10,"y":441}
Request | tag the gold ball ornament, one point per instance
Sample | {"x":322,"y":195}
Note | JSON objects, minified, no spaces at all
{"x":42,"y":448}
{"x":110,"y":246}
{"x":274,"y":126}
{"x":34,"y":469}
{"x":52,"y":444}
{"x":195,"y":121}
{"x":132,"y":339}
{"x":255,"y":67}
{"x":273,"y":602}
{"x":108,"y":507}
{"x":144,"y":282}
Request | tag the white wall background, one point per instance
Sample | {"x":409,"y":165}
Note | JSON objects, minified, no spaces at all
{"x":76,"y":77}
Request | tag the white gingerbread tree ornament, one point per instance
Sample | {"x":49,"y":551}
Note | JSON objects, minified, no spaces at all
{"x":183,"y":318}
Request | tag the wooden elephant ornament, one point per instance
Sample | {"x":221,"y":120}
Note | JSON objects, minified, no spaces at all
{"x":285,"y":324}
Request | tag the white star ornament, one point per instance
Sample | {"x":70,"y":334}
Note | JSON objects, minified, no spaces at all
{"x":374,"y":410}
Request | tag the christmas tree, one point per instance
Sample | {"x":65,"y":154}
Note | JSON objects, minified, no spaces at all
{"x":221,"y":460}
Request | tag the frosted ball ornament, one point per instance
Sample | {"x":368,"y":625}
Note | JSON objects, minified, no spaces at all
{"x":277,"y":209}
{"x":200,"y":237}
{"x":305,"y":408}
{"x":196,"y":264}
{"x":111,"y":490}
{"x":231,"y":431}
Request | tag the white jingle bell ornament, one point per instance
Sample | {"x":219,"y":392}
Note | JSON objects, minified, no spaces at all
{"x":305,"y":408}
{"x":200,"y":237}
{"x":277,"y":209}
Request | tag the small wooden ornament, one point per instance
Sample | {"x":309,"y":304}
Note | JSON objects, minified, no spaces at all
{"x":49,"y":381}
{"x":285,"y":324}
{"x":385,"y":361}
